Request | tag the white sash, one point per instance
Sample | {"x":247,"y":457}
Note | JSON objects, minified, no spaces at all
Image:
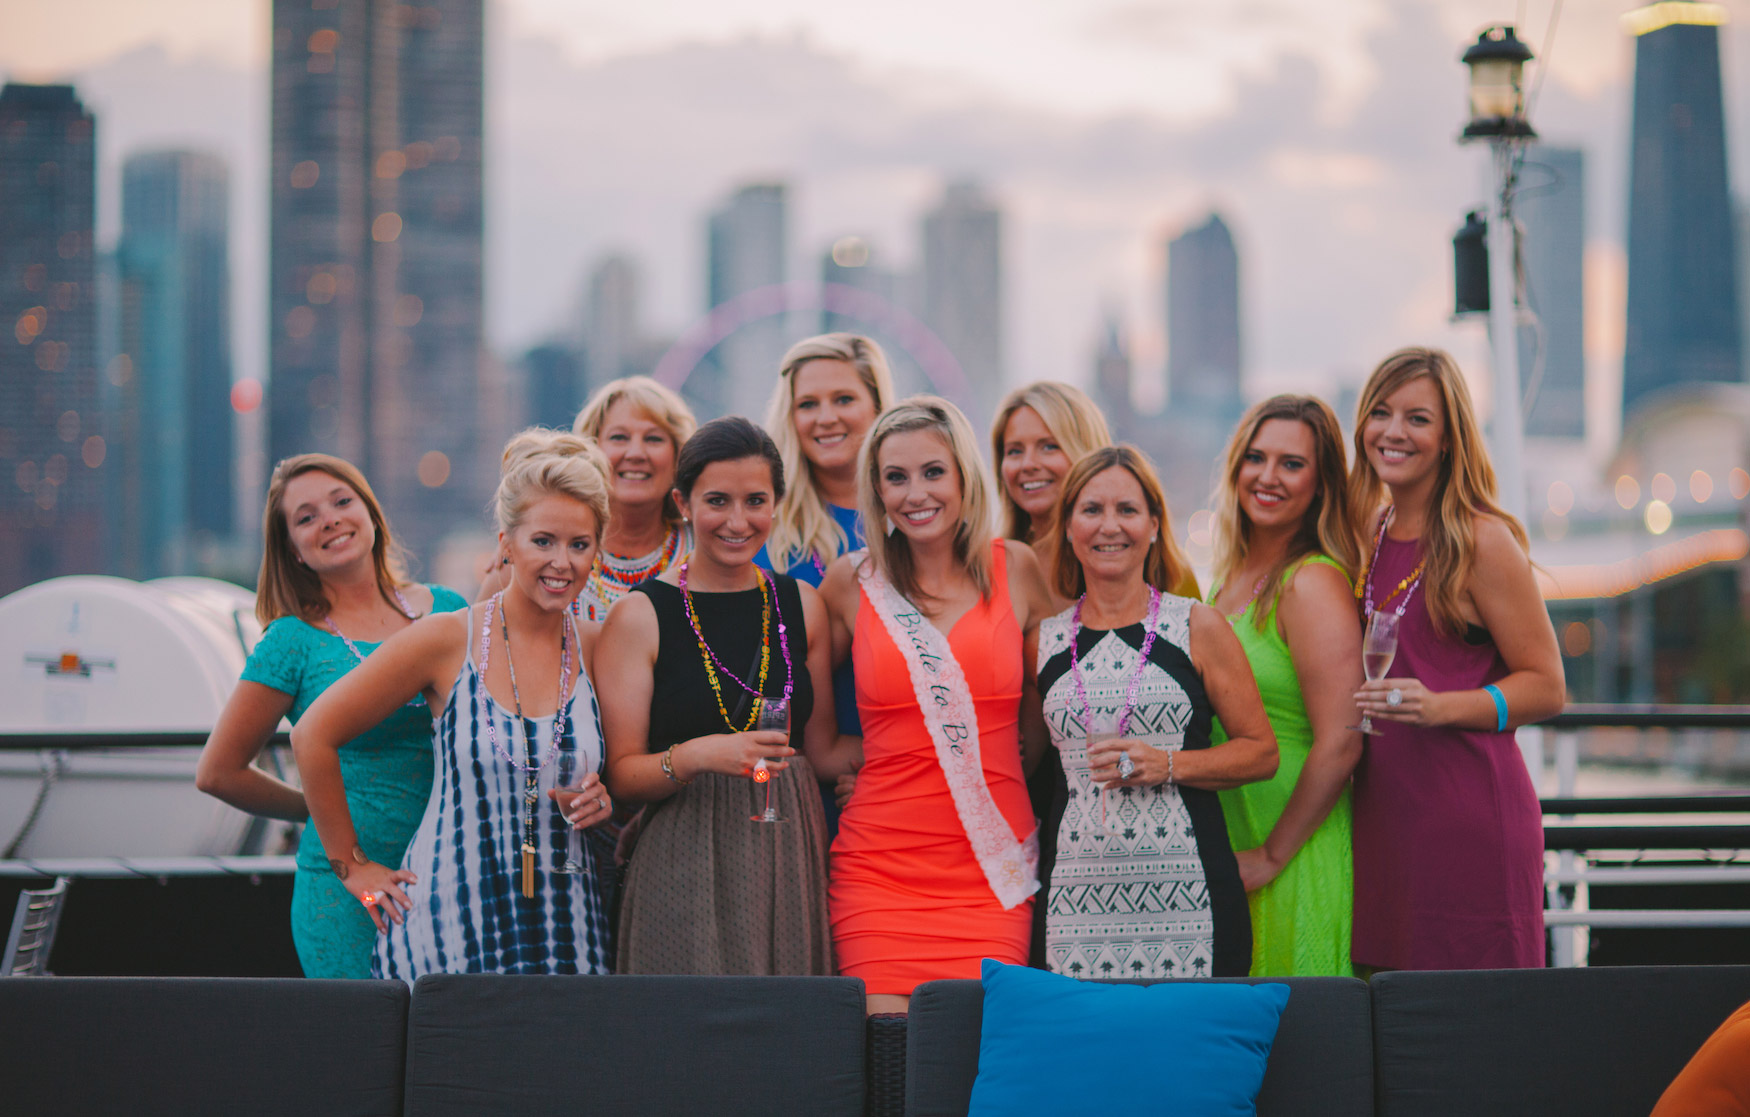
{"x":1011,"y":867}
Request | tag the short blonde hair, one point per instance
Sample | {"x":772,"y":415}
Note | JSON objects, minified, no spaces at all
{"x":540,"y":461}
{"x":889,"y":550}
{"x":802,"y":526}
{"x":664,"y":406}
{"x":1164,"y":567}
{"x":1073,"y":419}
{"x":286,"y":587}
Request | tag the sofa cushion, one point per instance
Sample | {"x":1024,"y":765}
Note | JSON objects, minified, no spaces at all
{"x":1321,"y":1062}
{"x":635,"y":1045}
{"x":1598,"y":1041}
{"x":1052,"y":1044}
{"x":188,"y":1046}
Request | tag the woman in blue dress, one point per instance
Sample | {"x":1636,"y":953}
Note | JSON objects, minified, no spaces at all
{"x":830,"y":389}
{"x":501,"y":887}
{"x":330,"y":591}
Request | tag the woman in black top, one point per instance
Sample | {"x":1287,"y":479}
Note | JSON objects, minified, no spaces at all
{"x":690,"y":662}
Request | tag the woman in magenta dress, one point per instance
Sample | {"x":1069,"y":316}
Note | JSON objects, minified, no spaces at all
{"x":1448,"y":832}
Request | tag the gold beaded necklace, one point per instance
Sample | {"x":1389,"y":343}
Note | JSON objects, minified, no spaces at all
{"x":710,"y":659}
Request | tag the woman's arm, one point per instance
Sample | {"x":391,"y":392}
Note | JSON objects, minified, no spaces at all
{"x":408,"y":663}
{"x":1032,"y":603}
{"x":830,"y":754}
{"x":1035,"y":735}
{"x":625,"y":681}
{"x":1249,"y":753}
{"x":1504,"y":592}
{"x":227,"y":769}
{"x":1317,"y":618}
{"x":838,"y":589}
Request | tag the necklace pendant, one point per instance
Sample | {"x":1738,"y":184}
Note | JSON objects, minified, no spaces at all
{"x":528,"y":871}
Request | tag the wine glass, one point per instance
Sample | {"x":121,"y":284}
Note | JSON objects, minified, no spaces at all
{"x":1378,"y":648}
{"x":774,"y":715}
{"x":569,"y":777}
{"x":1102,"y":826}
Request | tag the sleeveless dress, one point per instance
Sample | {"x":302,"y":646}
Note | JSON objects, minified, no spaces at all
{"x":469,"y":912}
{"x":1448,"y":831}
{"x":910,"y":902}
{"x":1300,"y":920}
{"x":387,"y":771}
{"x":1160,"y":896}
{"x":708,"y":890}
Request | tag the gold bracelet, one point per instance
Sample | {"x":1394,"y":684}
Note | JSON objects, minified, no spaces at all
{"x":668,"y":767}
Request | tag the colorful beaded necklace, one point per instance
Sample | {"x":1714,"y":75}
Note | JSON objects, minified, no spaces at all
{"x":1075,"y":663}
{"x":714,"y":666}
{"x":1364,"y":584}
{"x":608,"y":583}
{"x":406,"y":610}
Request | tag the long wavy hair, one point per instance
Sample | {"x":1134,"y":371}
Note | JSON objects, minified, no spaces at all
{"x":1080,"y":428}
{"x":1464,"y":487}
{"x":802,"y":526}
{"x":1165,"y":567}
{"x":665,"y":408}
{"x":889,"y":549}
{"x":1327,"y":527}
{"x":286,"y":587}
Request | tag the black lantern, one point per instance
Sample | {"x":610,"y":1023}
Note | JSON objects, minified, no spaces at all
{"x":1497,"y":85}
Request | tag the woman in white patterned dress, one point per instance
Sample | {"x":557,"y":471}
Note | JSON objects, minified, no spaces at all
{"x":1141,"y":881}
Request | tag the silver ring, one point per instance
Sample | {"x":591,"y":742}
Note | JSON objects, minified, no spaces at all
{"x":1126,"y":766}
{"x":1394,"y":698}
{"x":603,"y":802}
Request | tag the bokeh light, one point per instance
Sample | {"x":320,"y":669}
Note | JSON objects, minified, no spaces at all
{"x":246,"y":395}
{"x":1658,"y":517}
{"x":1701,"y":486}
{"x":1628,"y":491}
{"x":434,"y":469}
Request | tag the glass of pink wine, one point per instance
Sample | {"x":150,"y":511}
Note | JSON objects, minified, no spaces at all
{"x":1378,"y":648}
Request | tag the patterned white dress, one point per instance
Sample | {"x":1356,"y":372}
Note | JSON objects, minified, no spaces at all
{"x":1156,"y":892}
{"x":469,"y":913}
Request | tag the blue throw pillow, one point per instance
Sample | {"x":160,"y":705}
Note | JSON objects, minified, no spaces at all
{"x":1055,"y":1045}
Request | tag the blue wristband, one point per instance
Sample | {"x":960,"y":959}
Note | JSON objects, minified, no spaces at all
{"x":1500,"y":707}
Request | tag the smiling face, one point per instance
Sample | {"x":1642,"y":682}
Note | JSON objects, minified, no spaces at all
{"x":1110,"y":527}
{"x":329,"y":525}
{"x":919,"y":485}
{"x":640,"y":455}
{"x":551,"y":549}
{"x":1405,"y":434}
{"x":832,"y":410}
{"x":1278,"y":478}
{"x":1033,"y":464}
{"x":731,"y":510}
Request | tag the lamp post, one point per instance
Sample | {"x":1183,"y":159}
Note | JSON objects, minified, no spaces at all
{"x":1497,"y":110}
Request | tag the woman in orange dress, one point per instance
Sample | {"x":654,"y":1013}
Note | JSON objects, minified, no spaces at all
{"x":934,"y":867}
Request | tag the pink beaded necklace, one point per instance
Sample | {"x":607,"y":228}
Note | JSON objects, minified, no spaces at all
{"x":1075,"y":665}
{"x":783,"y":639}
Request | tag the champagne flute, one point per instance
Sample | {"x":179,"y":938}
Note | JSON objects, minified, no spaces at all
{"x":1102,"y":826}
{"x":568,"y":777}
{"x":774,"y":715}
{"x":1378,"y":648}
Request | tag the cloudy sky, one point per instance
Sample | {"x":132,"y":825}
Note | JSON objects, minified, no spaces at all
{"x":1322,"y":129}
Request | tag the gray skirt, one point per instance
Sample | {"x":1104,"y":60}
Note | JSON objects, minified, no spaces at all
{"x":708,"y":891}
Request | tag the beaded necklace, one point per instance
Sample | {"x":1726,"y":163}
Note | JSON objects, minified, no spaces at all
{"x":406,"y":610}
{"x":1075,"y":665}
{"x":530,"y":768}
{"x":607,"y":584}
{"x":714,"y":666}
{"x":1364,"y":585}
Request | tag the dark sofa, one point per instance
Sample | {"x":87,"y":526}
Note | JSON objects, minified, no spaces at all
{"x":1594,"y":1041}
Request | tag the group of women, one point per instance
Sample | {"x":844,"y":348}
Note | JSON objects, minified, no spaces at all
{"x":799,"y":700}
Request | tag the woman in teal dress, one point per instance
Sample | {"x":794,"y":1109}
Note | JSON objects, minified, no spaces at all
{"x":330,"y":591}
{"x":1284,"y":557}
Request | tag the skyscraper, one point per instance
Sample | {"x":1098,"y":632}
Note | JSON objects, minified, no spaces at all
{"x":173,"y":440}
{"x":1112,"y":377}
{"x":962,"y":291}
{"x":871,"y":311}
{"x":376,"y":302}
{"x":52,"y":447}
{"x":1682,"y":277}
{"x":748,"y":243}
{"x":1552,"y":209}
{"x":1203,"y":324}
{"x":613,"y":331}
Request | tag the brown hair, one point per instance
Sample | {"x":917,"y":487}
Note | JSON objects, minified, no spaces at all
{"x":288,"y":588}
{"x":1164,"y":567}
{"x":1327,"y":528}
{"x":889,"y":550}
{"x":1464,"y":488}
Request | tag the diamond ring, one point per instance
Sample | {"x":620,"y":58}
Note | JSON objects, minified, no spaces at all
{"x":1126,"y":767}
{"x":1394,"y":698}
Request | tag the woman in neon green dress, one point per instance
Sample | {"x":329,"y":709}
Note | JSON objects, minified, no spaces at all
{"x":1284,"y":556}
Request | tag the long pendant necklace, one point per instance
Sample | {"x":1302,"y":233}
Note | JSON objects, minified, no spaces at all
{"x":406,"y":610}
{"x":714,"y":667}
{"x":530,"y":768}
{"x":1075,"y":664}
{"x":1364,"y":585}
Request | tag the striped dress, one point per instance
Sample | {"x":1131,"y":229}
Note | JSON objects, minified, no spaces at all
{"x":469,"y":913}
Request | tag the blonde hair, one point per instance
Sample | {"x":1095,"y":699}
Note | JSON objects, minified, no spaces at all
{"x":889,"y":550}
{"x":801,"y":524}
{"x":1080,"y":428}
{"x":286,"y":587}
{"x":541,"y":461}
{"x":1463,"y":489}
{"x":664,"y":406}
{"x":1327,"y":528}
{"x":1165,"y":567}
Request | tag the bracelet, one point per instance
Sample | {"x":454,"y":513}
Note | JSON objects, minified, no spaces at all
{"x":1500,"y":707}
{"x":1170,"y":766}
{"x":668,"y":767}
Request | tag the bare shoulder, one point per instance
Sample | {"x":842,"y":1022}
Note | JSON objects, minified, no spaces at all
{"x":841,"y":575}
{"x":632,"y":614}
{"x":1498,"y":549}
{"x":1022,"y":560}
{"x":438,"y":629}
{"x":1319,"y":582}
